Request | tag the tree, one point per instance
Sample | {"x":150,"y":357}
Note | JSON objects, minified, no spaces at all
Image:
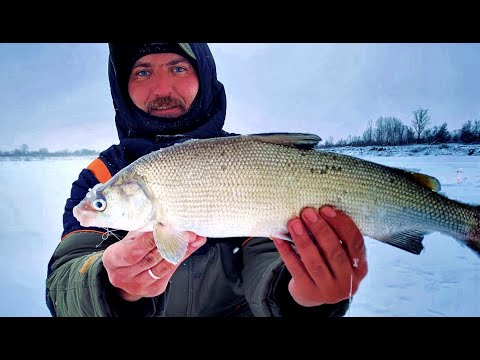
{"x":441,"y":134}
{"x":409,"y":135}
{"x":466,"y":133}
{"x":329,"y":142}
{"x":420,"y":120}
{"x":24,"y":149}
{"x":380,"y":133}
{"x":476,"y":130}
{"x":368,"y":134}
{"x":389,"y":131}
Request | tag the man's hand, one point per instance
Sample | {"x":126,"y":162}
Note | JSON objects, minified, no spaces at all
{"x":330,"y":264}
{"x":127,"y":263}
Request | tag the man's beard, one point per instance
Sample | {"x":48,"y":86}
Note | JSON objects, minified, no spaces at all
{"x":149,"y":125}
{"x":164,"y":103}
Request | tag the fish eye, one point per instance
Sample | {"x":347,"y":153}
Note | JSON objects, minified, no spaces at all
{"x":99,"y":204}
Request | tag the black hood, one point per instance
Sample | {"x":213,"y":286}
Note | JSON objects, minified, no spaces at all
{"x":205,"y":118}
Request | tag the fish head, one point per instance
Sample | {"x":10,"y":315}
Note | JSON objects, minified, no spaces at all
{"x":121,"y":204}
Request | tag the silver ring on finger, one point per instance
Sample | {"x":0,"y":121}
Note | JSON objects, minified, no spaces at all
{"x":153,"y":275}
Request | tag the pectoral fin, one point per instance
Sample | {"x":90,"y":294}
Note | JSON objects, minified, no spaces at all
{"x":172,"y":244}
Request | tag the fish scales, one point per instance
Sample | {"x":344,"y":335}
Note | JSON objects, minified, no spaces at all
{"x":264,"y":186}
{"x":244,"y":186}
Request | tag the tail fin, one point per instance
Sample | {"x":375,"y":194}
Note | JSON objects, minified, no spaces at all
{"x":473,"y":238}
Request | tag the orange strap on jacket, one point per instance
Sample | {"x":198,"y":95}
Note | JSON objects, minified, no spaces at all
{"x":100,"y":170}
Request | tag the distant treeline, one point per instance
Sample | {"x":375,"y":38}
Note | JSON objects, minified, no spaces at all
{"x":43,"y":152}
{"x":389,"y":131}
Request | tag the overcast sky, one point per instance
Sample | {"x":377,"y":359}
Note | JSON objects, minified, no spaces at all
{"x":57,"y":95}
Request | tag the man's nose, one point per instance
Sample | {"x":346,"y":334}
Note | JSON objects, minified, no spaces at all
{"x":162,"y":85}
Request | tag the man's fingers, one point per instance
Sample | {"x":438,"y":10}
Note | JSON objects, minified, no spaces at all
{"x":322,"y":241}
{"x":135,"y":265}
{"x":292,"y":261}
{"x":352,"y":239}
{"x":196,"y":243}
{"x":150,"y":260}
{"x":143,"y":284}
{"x":130,"y":250}
{"x":164,"y":267}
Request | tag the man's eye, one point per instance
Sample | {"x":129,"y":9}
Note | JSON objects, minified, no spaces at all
{"x":142,"y":73}
{"x":179,"y":69}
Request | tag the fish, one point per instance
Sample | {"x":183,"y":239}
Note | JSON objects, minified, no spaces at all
{"x":251,"y":185}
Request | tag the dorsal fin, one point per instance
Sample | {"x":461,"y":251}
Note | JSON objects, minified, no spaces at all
{"x":299,"y":140}
{"x":426,"y":181}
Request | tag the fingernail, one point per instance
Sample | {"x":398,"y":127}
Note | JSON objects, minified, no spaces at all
{"x":328,"y":211}
{"x":198,"y":243}
{"x":297,"y":227}
{"x":190,"y":236}
{"x":310,"y":215}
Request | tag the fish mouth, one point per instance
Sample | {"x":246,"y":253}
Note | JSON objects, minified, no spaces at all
{"x":84,"y":213}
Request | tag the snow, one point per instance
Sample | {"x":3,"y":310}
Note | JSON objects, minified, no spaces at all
{"x":443,"y":281}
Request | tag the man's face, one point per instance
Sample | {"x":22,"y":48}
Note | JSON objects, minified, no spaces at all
{"x":163,"y":84}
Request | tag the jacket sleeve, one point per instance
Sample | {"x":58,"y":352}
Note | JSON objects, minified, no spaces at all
{"x":265,"y":281}
{"x":78,"y":285}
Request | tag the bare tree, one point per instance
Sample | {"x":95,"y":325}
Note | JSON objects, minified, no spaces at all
{"x":389,"y":131}
{"x":368,"y":134}
{"x":329,"y":142}
{"x":380,"y":131}
{"x":398,"y":128}
{"x":409,"y":135}
{"x":420,"y":121}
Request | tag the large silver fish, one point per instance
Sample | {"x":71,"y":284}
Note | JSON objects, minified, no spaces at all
{"x":251,"y":185}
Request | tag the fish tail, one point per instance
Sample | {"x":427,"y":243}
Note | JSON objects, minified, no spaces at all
{"x":473,"y":237}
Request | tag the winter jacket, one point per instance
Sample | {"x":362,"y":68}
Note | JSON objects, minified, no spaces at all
{"x":223,"y":278}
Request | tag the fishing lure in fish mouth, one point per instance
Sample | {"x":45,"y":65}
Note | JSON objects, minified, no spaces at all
{"x":251,"y":185}
{"x":123,"y":206}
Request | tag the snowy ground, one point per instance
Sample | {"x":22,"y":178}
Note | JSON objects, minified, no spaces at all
{"x":411,"y":150}
{"x":444,"y":280}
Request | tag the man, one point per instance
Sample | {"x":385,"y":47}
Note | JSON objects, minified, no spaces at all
{"x":166,"y":93}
